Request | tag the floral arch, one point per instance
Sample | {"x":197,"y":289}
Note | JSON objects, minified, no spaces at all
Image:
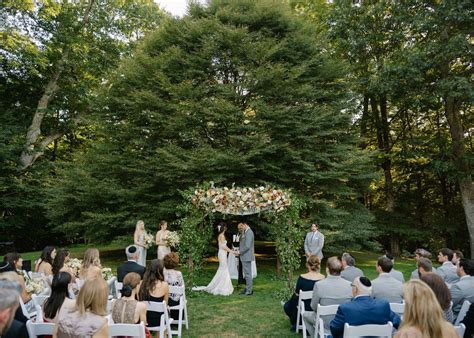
{"x":203,"y":204}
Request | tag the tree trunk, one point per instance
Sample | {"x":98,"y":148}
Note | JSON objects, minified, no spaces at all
{"x":278,"y":266}
{"x":190,"y":271}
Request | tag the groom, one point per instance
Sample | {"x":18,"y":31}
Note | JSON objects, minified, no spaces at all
{"x":247,"y":256}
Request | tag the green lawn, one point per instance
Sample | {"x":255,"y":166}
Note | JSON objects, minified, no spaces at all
{"x":235,"y":315}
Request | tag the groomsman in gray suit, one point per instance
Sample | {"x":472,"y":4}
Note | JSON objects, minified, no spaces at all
{"x":314,"y":242}
{"x":385,"y":286}
{"x":464,"y":289}
{"x":247,"y":255}
{"x":447,"y":270}
{"x":398,"y":275}
{"x":349,"y":271}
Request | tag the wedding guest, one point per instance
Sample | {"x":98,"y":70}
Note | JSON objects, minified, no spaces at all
{"x":59,"y":297}
{"x":447,"y":270}
{"x":62,"y":257}
{"x":9,"y":326}
{"x":305,"y":282}
{"x":131,"y":265}
{"x":420,"y":253}
{"x":349,"y":270}
{"x":424,"y":266}
{"x":423,"y":316}
{"x":11,"y":275}
{"x":15,"y":264}
{"x":15,"y":260}
{"x":385,"y":286}
{"x":153,"y":288}
{"x":86,"y":318}
{"x":45,"y":263}
{"x":441,"y":291}
{"x":161,"y":236}
{"x":464,"y":288}
{"x":174,"y":278}
{"x":139,"y":241}
{"x":127,"y":310}
{"x":457,"y":255}
{"x":398,"y":275}
{"x":91,"y":267}
{"x":314,"y":242}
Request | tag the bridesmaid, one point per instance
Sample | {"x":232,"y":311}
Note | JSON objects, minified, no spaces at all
{"x":161,"y":235}
{"x":139,"y":240}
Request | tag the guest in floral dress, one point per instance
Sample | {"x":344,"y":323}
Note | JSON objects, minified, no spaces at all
{"x":174,"y":278}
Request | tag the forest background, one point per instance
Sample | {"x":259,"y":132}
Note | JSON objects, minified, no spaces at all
{"x":110,"y":108}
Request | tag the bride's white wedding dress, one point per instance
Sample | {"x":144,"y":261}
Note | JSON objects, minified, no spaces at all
{"x":221,"y":284}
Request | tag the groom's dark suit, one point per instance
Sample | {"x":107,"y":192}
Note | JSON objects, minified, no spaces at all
{"x":130,"y":266}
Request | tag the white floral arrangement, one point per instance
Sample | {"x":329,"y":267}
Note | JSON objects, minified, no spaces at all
{"x":172,"y":239}
{"x":241,"y":201}
{"x":149,"y":240}
{"x":107,"y":273}
{"x":75,"y":265}
{"x":34,"y":286}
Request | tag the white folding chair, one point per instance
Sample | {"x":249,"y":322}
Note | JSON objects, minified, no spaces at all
{"x":180,"y":307}
{"x":118,"y":289}
{"x":111,"y":285}
{"x":25,"y":311}
{"x":462,"y":313}
{"x":303,"y":295}
{"x":398,"y":308}
{"x":39,"y":329}
{"x":110,"y":303}
{"x":368,"y":330}
{"x":321,"y":311}
{"x":128,"y":330}
{"x":39,"y":299}
{"x":165,"y":320}
{"x":460,"y":330}
{"x":39,"y":314}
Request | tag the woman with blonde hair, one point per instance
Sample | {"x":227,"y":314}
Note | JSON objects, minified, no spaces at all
{"x":161,"y":236}
{"x":91,"y":267}
{"x":423,"y":316}
{"x":87,"y":317}
{"x":139,"y":241}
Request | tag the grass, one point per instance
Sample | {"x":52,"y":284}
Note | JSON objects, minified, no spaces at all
{"x":238,"y":316}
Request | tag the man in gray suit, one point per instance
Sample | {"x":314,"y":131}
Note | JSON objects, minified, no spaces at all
{"x":385,"y":286}
{"x":398,"y":275}
{"x":424,"y":266}
{"x":247,"y":255}
{"x":314,"y":242}
{"x":420,"y":253}
{"x":464,"y":289}
{"x":329,"y":291}
{"x":349,"y":271}
{"x":447,"y":270}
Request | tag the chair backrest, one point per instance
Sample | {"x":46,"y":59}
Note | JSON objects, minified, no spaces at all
{"x":110,"y":303}
{"x":398,"y":308}
{"x":24,"y":310}
{"x":325,"y":310}
{"x":39,"y":299}
{"x":129,"y":330}
{"x":39,"y":329}
{"x":118,"y":289}
{"x":156,"y":306}
{"x":177,"y":289}
{"x":460,"y":330}
{"x":462,"y":313}
{"x":303,"y":295}
{"x":368,"y":330}
{"x":39,"y":314}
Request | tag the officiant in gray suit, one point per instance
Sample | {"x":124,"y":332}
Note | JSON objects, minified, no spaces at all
{"x":247,"y":255}
{"x":314,"y":242}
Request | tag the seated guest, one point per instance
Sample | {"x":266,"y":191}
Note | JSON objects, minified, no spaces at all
{"x":423,"y":316}
{"x":127,"y":310}
{"x":385,"y":286}
{"x":91,"y":267}
{"x":305,"y":283}
{"x":9,"y":274}
{"x":420,"y":253}
{"x":62,"y":257}
{"x":154,"y":289}
{"x":398,"y":275}
{"x":59,"y":297}
{"x":15,"y":264}
{"x":468,"y":322}
{"x":45,"y":263}
{"x":131,"y":265}
{"x":15,"y":260}
{"x":87,"y":317}
{"x":464,"y":289}
{"x":174,"y":278}
{"x":441,"y":291}
{"x":9,"y":294}
{"x":349,"y":271}
{"x":447,"y":270}
{"x":330,"y":291}
{"x":363,"y":309}
{"x":424,"y":266}
{"x":457,"y":255}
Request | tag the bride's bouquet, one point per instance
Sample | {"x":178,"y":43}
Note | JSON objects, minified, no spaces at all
{"x":149,"y":240}
{"x":172,"y":239}
{"x":75,"y":265}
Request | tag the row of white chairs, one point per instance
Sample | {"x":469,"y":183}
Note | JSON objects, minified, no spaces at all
{"x":321,"y":311}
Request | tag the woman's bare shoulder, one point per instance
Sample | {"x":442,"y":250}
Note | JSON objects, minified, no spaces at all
{"x":409,"y":332}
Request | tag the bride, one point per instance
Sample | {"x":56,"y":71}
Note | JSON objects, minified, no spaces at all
{"x":221,"y":284}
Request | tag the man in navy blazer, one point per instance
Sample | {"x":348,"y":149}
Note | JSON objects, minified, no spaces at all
{"x":362,"y":310}
{"x":131,"y":265}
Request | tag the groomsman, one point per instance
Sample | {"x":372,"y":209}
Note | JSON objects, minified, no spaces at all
{"x":314,"y":242}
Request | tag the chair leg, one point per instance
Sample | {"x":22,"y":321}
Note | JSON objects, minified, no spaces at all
{"x":186,"y":320}
{"x":298,"y":316}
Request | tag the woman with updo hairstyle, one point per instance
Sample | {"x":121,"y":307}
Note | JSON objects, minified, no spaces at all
{"x":127,"y":310}
{"x":45,"y":263}
{"x":174,"y":278}
{"x":91,"y":267}
{"x":305,"y":282}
